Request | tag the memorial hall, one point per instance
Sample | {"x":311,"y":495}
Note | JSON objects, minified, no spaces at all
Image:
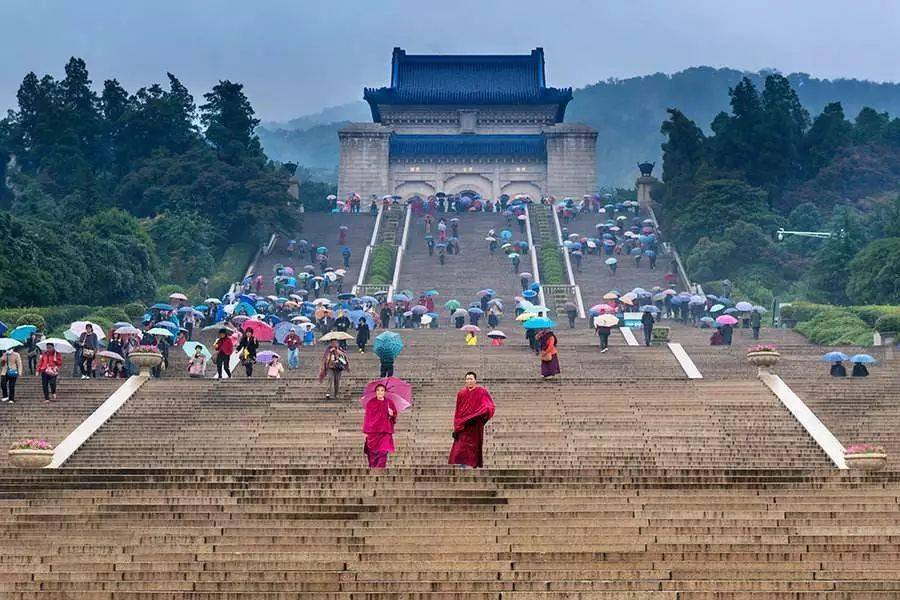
{"x":475,"y":124}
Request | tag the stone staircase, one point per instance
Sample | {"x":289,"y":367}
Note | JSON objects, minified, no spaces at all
{"x":321,"y":229}
{"x":343,"y":533}
{"x":463,"y":275}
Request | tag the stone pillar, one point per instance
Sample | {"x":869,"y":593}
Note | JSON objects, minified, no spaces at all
{"x":571,"y":160}
{"x":365,"y":156}
{"x":645,"y":183}
{"x":495,"y":183}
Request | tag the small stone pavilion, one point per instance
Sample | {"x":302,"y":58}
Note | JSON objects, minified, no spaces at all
{"x":476,"y":124}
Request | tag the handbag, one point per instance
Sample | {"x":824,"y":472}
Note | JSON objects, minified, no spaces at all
{"x":52,"y":371}
{"x":12,"y":373}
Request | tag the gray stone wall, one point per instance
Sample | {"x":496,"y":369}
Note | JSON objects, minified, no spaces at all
{"x":364,"y":160}
{"x":489,"y":178}
{"x":571,"y":160}
{"x":447,"y":120}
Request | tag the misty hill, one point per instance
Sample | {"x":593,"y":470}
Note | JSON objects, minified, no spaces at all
{"x":626,"y":112}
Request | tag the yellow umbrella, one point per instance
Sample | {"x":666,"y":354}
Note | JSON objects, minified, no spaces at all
{"x":525,"y":316}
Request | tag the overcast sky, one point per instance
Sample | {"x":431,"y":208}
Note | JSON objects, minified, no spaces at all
{"x":298,"y":56}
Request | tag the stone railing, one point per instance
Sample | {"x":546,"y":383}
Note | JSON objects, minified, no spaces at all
{"x":367,"y":254}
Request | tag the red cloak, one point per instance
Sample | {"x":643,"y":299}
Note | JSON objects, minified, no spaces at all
{"x":378,"y":425}
{"x":473,"y":409}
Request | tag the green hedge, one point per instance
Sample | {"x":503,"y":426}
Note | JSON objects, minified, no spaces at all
{"x":871,"y":313}
{"x":381,"y":265}
{"x":551,"y":265}
{"x":888,"y":323}
{"x":828,"y":325}
{"x":55,"y":317}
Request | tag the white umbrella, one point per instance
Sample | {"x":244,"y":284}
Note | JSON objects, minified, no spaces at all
{"x":61,"y":345}
{"x":321,"y":301}
{"x":177,"y":296}
{"x":212,"y":301}
{"x":7,"y":343}
{"x":79,"y":327}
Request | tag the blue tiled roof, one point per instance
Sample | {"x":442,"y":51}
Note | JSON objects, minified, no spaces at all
{"x":467,"y":80}
{"x":412,"y":146}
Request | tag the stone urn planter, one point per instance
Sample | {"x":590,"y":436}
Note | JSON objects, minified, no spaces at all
{"x":763,"y":359}
{"x":659,"y":335}
{"x":30,"y":458}
{"x":145,"y":361}
{"x":865,"y":458}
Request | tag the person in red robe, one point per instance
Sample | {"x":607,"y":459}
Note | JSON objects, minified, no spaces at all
{"x":378,"y":425}
{"x":474,"y":408}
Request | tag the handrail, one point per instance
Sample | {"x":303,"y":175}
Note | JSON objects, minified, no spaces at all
{"x":568,"y":262}
{"x":398,"y":261}
{"x":364,"y":266}
{"x":261,"y":251}
{"x":534,"y":258}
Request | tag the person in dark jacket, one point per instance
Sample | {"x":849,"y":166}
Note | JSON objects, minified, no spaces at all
{"x":859,"y":370}
{"x":838,"y":370}
{"x":603,"y":333}
{"x":647,"y":322}
{"x":342,"y":323}
{"x":247,"y":348}
{"x":362,"y":335}
{"x":727,"y":334}
{"x":90,"y":344}
{"x":755,"y":323}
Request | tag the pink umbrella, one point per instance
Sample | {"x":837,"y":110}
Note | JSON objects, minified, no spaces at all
{"x":606,"y":309}
{"x":262,"y":330}
{"x":266,"y":356}
{"x":470,"y":328}
{"x":396,"y":390}
{"x":726,"y":320}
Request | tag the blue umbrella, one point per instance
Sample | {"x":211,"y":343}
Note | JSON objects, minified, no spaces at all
{"x":189,"y":348}
{"x":284,"y":328}
{"x":22,"y":332}
{"x":161,"y":306}
{"x":388,"y":345}
{"x":539,"y":323}
{"x":369,"y":299}
{"x":401,"y":297}
{"x":636,"y":252}
{"x":835,"y":357}
{"x":529,"y":294}
{"x":476,"y":311}
{"x":322,"y":250}
{"x":650,"y":253}
{"x":649,"y":308}
{"x":864,"y":359}
{"x":346,"y":296}
{"x":506,"y":234}
{"x":248,"y":298}
{"x":201,"y":307}
{"x":356,"y":315}
{"x":244,"y":308}
{"x":431,"y":293}
{"x":168,"y":325}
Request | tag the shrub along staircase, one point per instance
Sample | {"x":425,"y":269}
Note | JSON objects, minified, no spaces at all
{"x":550,"y":261}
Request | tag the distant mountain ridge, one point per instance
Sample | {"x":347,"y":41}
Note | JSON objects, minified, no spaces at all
{"x":626,"y":112}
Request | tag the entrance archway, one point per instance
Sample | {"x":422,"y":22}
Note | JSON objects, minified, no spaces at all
{"x":469,"y":183}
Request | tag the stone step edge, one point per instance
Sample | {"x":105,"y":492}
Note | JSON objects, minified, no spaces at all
{"x":96,"y":420}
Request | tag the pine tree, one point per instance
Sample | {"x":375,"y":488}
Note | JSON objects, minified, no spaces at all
{"x":228,"y":118}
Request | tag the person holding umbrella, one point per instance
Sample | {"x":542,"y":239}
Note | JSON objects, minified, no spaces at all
{"x":334,"y":362}
{"x":224,"y":346}
{"x":378,"y":425}
{"x":859,"y":365}
{"x":362,"y":335}
{"x":474,"y":408}
{"x":546,"y":340}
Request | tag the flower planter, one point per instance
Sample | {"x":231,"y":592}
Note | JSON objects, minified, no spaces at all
{"x":659,"y":335}
{"x":763,"y":359}
{"x":28,"y":458}
{"x":866,"y":461}
{"x":145,"y":361}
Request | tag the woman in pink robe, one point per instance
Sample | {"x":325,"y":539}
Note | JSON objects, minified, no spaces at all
{"x":378,"y":425}
{"x":474,"y":408}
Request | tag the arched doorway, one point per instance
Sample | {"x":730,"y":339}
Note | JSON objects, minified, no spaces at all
{"x":477,"y":184}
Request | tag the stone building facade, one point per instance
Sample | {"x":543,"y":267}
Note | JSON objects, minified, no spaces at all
{"x":485,"y":124}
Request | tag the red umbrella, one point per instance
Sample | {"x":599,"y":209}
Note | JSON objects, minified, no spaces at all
{"x":262,"y":330}
{"x":396,"y":390}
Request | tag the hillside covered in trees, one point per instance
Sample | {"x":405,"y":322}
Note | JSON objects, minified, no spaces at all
{"x":626,"y":112}
{"x":768,"y":163}
{"x":109,"y":192}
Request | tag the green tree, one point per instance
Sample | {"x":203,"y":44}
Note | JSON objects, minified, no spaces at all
{"x":829,"y":132}
{"x":869,"y":125}
{"x":187,"y":243}
{"x":780,"y":136}
{"x":683,"y":148}
{"x":830,"y":272}
{"x":229,"y":121}
{"x":875,"y":273}
{"x":717,"y":205}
